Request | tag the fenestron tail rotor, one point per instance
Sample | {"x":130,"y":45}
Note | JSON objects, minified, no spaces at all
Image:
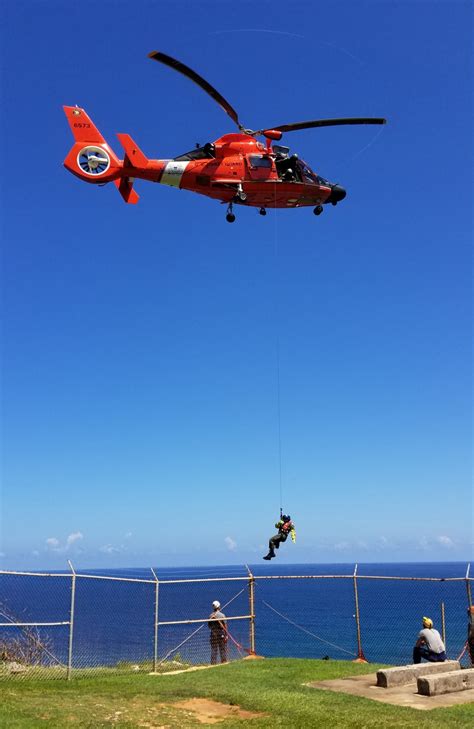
{"x":93,"y":160}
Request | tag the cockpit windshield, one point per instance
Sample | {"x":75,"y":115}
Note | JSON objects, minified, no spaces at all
{"x":321,"y":181}
{"x":307,"y":173}
{"x":205,"y":152}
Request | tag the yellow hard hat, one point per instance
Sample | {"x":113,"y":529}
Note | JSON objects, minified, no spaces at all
{"x":428,"y":622}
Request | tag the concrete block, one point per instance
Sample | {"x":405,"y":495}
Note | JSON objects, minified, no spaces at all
{"x":446,"y":683}
{"x":400,"y":675}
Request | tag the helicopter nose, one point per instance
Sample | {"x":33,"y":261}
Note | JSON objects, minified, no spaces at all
{"x":337,"y":194}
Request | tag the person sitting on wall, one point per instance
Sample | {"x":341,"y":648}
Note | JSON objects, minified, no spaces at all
{"x":429,"y":644}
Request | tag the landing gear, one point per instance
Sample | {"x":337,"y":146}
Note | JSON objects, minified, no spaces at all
{"x":318,"y":210}
{"x":262,"y":211}
{"x":240,"y":195}
{"x":230,"y":217}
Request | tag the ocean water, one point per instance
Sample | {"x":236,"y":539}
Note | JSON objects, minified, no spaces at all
{"x":300,"y":617}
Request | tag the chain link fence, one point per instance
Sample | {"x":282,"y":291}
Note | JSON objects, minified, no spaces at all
{"x":70,"y":624}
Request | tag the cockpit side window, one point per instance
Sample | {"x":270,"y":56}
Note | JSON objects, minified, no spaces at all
{"x":257,"y":161}
{"x":206,"y":152}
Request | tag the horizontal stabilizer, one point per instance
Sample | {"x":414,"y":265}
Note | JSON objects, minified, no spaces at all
{"x":125,"y":188}
{"x":135,"y":156}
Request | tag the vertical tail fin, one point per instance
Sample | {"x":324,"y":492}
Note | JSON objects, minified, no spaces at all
{"x":82,"y":126}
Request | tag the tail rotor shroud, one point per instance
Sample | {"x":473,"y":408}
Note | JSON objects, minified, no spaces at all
{"x":93,"y":160}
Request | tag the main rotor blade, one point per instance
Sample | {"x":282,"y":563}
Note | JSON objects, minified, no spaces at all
{"x":186,"y":71}
{"x":326,"y":123}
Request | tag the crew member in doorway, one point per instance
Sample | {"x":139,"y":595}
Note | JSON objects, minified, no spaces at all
{"x":218,"y":626}
{"x":287,"y":168}
{"x":429,"y":644}
{"x":285,"y":527}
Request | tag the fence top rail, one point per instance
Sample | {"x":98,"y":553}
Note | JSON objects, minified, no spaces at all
{"x":23,"y":625}
{"x":245,"y":578}
{"x":206,"y":579}
{"x":36,"y":574}
{"x":116,"y":579}
{"x":205,"y":620}
{"x":76,"y":574}
{"x":358,"y":577}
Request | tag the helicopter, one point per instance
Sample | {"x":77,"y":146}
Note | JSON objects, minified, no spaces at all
{"x":237,"y":168}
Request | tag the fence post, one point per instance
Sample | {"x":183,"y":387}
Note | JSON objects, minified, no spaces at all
{"x":468,"y":586}
{"x":155,"y":635}
{"x":252,"y":611}
{"x":360,"y":653}
{"x":443,"y":624}
{"x":71,"y":619}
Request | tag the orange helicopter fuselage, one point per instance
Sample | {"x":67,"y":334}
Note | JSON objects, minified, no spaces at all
{"x":236,"y":167}
{"x":241,"y":162}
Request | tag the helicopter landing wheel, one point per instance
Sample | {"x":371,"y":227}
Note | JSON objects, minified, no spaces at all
{"x":262,"y":211}
{"x":318,"y":210}
{"x":230,"y":217}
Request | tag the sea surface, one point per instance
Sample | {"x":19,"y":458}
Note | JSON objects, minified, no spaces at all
{"x":302,"y":617}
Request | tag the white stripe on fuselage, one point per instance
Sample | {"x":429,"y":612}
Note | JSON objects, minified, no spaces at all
{"x":173,"y":173}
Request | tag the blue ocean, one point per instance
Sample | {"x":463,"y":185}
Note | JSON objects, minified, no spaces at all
{"x":301,"y":611}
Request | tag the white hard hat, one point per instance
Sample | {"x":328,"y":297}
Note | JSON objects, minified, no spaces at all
{"x":216,"y":604}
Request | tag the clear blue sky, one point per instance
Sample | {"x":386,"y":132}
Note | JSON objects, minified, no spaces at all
{"x":139,"y":412}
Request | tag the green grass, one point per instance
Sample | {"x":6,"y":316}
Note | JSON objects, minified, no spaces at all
{"x":272,"y":686}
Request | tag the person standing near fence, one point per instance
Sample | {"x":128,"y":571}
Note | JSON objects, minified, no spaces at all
{"x":470,"y":632}
{"x":218,"y":637}
{"x":429,"y":644}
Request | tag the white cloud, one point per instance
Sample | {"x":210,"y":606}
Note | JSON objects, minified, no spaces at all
{"x":128,"y":535}
{"x":35,"y":553}
{"x":231,"y":544}
{"x":341,"y":546}
{"x":53,"y":543}
{"x":74,"y":537}
{"x":423,"y":543}
{"x":110,"y":549}
{"x":426,"y":544}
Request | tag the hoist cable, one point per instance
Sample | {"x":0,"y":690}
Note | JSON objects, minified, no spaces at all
{"x":277,"y":310}
{"x":305,"y":630}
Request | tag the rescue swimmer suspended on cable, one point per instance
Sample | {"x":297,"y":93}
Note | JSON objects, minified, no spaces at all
{"x":285,"y":527}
